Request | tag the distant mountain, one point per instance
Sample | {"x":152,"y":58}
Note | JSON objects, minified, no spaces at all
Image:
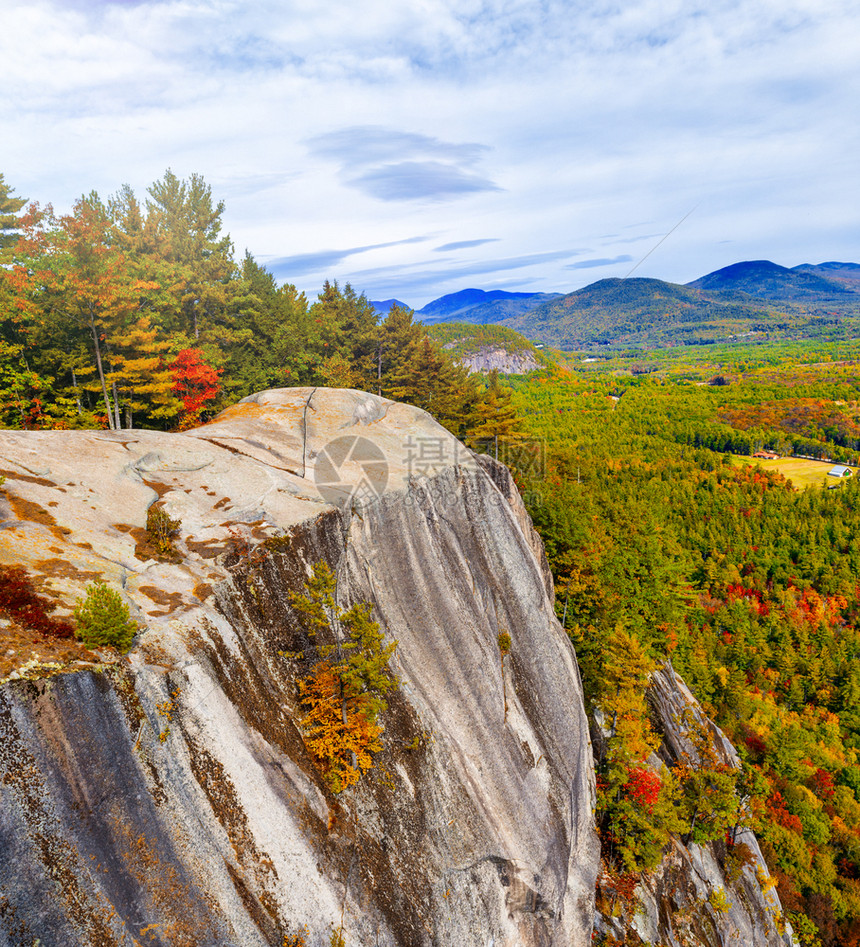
{"x":848,"y":274}
{"x":754,"y":298}
{"x":639,"y":311}
{"x":385,"y":305}
{"x":763,"y":279}
{"x":478,"y":306}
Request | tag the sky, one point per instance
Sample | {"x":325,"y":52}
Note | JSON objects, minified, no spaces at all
{"x":418,"y":147}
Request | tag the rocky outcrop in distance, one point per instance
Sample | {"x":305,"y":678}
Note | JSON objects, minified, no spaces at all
{"x":495,"y":358}
{"x":167,"y":797}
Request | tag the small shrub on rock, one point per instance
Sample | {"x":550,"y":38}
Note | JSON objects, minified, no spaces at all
{"x":161,"y":529}
{"x":103,"y":618}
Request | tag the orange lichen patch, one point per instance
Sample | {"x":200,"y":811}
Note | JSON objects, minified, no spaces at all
{"x":202,"y":591}
{"x":15,"y":475}
{"x":62,"y":568}
{"x":27,"y":511}
{"x":236,"y":412}
{"x":222,"y":503}
{"x":169,"y":600}
{"x":26,"y":544}
{"x":143,"y":546}
{"x":18,"y":645}
{"x":160,"y":488}
{"x":208,"y":549}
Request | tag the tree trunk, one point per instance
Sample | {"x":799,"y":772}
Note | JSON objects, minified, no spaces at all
{"x":116,"y":406}
{"x":379,"y":370}
{"x":101,"y":370}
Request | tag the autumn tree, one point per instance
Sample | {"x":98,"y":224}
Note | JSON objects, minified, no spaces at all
{"x":195,"y":382}
{"x":69,"y":276}
{"x":144,"y":380}
{"x":345,"y":691}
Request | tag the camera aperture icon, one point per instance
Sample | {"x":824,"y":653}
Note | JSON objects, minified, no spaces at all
{"x":351,"y":471}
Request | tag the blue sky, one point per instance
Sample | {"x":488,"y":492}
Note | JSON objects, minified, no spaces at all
{"x":420,"y":147}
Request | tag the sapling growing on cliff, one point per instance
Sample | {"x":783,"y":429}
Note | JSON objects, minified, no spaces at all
{"x":344,"y":693}
{"x":103,"y":618}
{"x":160,"y":530}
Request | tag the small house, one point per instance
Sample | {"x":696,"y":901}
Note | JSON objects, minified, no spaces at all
{"x":839,"y":471}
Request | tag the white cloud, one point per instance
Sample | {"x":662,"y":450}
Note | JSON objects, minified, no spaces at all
{"x":546,"y":124}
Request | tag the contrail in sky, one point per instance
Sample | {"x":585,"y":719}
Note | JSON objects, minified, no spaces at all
{"x":657,"y":244}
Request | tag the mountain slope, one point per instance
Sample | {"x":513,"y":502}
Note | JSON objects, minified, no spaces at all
{"x":384,"y":305}
{"x":643,"y":311}
{"x":478,"y":306}
{"x":483,"y":348}
{"x":171,"y":794}
{"x":761,"y":278}
{"x":847,"y":274}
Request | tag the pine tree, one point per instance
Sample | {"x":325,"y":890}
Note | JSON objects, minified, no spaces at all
{"x":186,"y":230}
{"x":496,"y":416}
{"x":9,"y":207}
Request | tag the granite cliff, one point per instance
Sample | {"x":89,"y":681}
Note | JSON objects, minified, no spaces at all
{"x":166,"y":797}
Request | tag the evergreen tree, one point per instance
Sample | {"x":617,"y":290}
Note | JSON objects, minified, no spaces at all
{"x":185,"y":224}
{"x":495,"y":415}
{"x":9,"y":207}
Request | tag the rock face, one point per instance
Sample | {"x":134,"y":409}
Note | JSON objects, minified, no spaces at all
{"x":167,"y":797}
{"x":491,"y":358}
{"x":676,"y":903}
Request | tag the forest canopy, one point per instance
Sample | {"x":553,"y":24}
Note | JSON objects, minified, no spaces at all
{"x":126,"y":313}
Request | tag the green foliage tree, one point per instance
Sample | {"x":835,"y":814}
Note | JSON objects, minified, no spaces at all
{"x":103,"y":618}
{"x":9,"y":207}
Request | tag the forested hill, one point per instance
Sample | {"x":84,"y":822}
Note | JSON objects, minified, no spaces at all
{"x":637,"y":311}
{"x":480,"y":307}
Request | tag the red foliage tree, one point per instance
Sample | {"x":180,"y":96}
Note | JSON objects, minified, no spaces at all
{"x":195,"y":382}
{"x":822,"y":784}
{"x":643,"y":788}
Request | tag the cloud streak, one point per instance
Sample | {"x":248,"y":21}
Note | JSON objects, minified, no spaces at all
{"x":602,"y":261}
{"x":464,"y":244}
{"x":320,"y":261}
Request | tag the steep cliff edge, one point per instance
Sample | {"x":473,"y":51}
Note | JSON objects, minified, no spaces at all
{"x":167,"y":797}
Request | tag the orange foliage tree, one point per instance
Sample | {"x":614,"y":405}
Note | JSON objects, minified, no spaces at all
{"x":344,"y":693}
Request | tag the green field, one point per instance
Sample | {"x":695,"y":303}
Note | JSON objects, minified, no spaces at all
{"x":802,"y":473}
